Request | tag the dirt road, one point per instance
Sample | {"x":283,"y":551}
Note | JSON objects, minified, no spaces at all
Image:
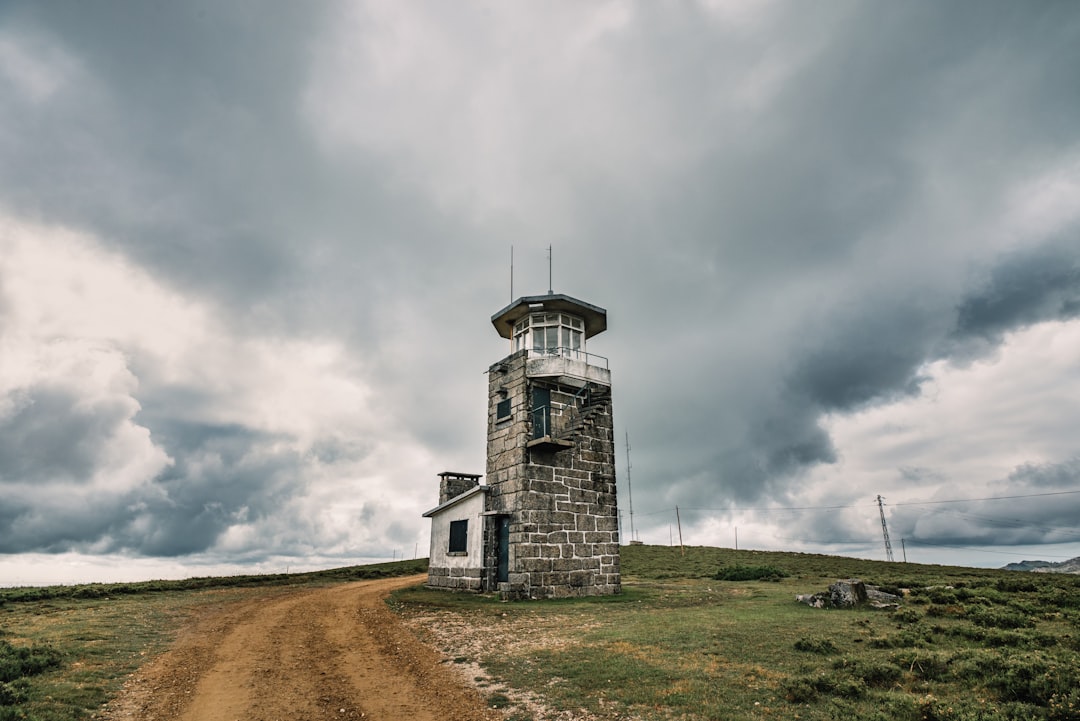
{"x":328,"y":653}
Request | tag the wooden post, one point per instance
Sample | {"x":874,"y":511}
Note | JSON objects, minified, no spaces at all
{"x":679,"y":521}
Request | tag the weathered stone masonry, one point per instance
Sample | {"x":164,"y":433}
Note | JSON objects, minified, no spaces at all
{"x":545,"y":523}
{"x":558,"y":490}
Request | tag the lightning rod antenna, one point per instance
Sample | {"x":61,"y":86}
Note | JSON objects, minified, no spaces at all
{"x":884,"y":528}
{"x":550,"y":291}
{"x":511,"y":274}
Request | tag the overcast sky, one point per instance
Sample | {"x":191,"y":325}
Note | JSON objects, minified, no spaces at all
{"x":249,"y":253}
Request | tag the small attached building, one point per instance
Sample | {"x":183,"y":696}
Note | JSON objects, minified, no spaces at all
{"x":456,"y":558}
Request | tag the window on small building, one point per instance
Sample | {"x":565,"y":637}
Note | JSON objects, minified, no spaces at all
{"x":459,"y":536}
{"x":502,"y":410}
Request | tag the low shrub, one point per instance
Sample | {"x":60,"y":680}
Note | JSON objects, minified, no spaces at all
{"x":908,"y":638}
{"x":998,"y":618}
{"x":750,"y":573}
{"x":1034,"y":678}
{"x":1057,"y":597}
{"x":803,"y":689}
{"x":931,"y":708}
{"x":823,"y":646}
{"x":20,"y":661}
{"x":1019,"y":584}
{"x":906,"y":615}
{"x":927,"y":666}
{"x":881,"y":674}
{"x":11,"y":694}
{"x":952,"y":611}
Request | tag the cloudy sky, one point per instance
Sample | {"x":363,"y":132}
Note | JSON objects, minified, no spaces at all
{"x":249,"y":253}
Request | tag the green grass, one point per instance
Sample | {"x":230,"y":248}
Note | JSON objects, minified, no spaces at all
{"x":65,"y":650}
{"x":967,"y":644}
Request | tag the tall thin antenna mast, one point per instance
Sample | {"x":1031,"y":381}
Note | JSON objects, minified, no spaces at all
{"x":511,"y":274}
{"x":550,"y":291}
{"x":630,"y":488}
{"x":884,"y":528}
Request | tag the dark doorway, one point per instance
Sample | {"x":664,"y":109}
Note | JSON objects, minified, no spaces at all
{"x":502,"y":574}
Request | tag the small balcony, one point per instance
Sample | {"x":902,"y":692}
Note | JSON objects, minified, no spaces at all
{"x":568,"y":364}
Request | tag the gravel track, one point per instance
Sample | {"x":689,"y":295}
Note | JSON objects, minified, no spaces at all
{"x":326,"y":653}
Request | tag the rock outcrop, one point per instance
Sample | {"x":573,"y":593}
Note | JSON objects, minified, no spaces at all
{"x":849,"y":593}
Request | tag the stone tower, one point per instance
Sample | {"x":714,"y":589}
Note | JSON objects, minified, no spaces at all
{"x":552,"y":519}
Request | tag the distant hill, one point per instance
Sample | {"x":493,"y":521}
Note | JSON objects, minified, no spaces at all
{"x":1070,"y":566}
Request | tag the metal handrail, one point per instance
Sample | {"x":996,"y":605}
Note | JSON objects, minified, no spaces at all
{"x":571,"y":353}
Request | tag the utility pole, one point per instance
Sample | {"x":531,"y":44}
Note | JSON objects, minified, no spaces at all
{"x":629,"y":488}
{"x":904,"y":547}
{"x":679,"y":521}
{"x":884,"y":528}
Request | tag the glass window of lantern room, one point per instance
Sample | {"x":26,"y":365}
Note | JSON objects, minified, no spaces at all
{"x":545,"y":338}
{"x":521,"y":334}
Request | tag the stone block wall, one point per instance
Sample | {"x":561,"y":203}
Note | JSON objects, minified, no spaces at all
{"x":564,"y":531}
{"x":455,"y":579}
{"x":452,"y":485}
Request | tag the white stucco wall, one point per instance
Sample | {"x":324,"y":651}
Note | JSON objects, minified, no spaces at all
{"x":458,"y":570}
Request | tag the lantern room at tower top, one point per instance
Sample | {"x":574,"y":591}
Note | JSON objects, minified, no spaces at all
{"x":553,"y":329}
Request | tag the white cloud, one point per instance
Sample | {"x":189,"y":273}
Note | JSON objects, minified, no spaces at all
{"x":84,"y":320}
{"x":971,"y":425}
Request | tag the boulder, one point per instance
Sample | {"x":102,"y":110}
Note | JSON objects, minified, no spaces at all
{"x":849,"y":593}
{"x":813,"y":600}
{"x":882,"y":600}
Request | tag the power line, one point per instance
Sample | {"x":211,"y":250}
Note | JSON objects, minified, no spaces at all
{"x":1017,"y":523}
{"x":775,"y":509}
{"x":979,"y":550}
{"x":988,"y":498}
{"x":778,"y":508}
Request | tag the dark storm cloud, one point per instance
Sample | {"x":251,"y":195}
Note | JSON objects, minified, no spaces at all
{"x":1034,"y":504}
{"x":223,"y":476}
{"x":1036,"y":476}
{"x":771,"y":227}
{"x":836,"y":172}
{"x":55,"y":435}
{"x":875,"y":355}
{"x":180,"y":138}
{"x":1001,"y":523}
{"x":1026,"y":287}
{"x":194,"y":157}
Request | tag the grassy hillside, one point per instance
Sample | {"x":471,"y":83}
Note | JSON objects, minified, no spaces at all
{"x":65,"y":650}
{"x":968,"y":643}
